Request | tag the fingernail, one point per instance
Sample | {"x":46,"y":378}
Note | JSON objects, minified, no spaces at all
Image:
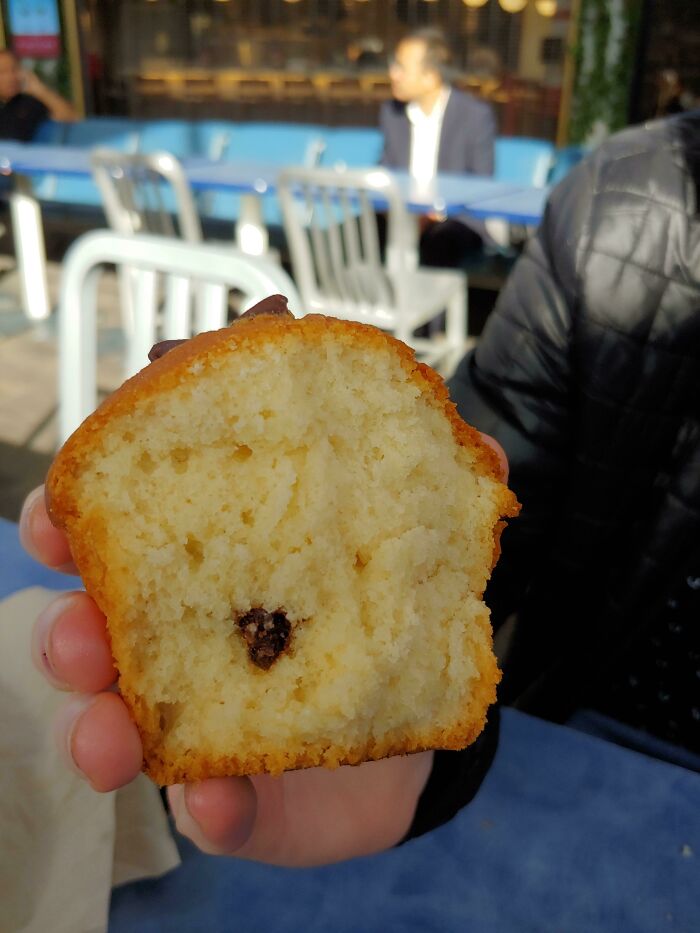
{"x":25,"y":518}
{"x":66,"y":722}
{"x":41,"y":638}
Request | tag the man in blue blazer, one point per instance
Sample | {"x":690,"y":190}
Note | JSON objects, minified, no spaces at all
{"x":432,"y":127}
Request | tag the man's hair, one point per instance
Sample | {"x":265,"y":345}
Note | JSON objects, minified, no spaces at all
{"x":438,"y":54}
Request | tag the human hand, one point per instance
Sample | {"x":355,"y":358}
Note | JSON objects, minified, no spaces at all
{"x":32,"y":83}
{"x":309,"y":817}
{"x":59,"y":109}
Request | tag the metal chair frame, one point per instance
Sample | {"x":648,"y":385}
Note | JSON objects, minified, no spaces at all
{"x":159,"y":266}
{"x":330,"y":224}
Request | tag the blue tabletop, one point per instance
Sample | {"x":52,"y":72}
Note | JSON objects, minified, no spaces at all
{"x":568,"y":833}
{"x":527,"y":204}
{"x":450,"y":194}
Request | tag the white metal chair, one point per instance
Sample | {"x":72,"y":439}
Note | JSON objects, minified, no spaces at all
{"x":330,"y":223}
{"x":159,"y":265}
{"x":146,"y":193}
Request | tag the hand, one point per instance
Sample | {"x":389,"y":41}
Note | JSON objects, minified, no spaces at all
{"x":426,"y":221}
{"x":309,"y":817}
{"x":59,"y":109}
{"x":32,"y":84}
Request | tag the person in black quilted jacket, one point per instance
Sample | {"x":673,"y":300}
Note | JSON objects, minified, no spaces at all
{"x":588,"y":373}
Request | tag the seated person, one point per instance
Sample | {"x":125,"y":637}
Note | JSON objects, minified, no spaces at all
{"x":587,"y":374}
{"x":25,"y":101}
{"x":432,"y":127}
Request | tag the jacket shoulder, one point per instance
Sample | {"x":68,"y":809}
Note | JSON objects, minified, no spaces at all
{"x":392,"y":110}
{"x":467,"y":103}
{"x":625,"y":165}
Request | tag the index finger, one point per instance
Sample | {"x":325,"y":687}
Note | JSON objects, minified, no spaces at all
{"x":40,"y":538}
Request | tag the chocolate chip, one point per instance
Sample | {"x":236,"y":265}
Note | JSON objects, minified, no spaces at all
{"x":265,"y":633}
{"x":275,"y":304}
{"x":160,"y":349}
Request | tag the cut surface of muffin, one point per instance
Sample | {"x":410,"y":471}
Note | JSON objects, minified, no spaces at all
{"x":289,"y":531}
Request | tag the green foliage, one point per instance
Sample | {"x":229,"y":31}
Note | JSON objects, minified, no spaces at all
{"x":601,"y":92}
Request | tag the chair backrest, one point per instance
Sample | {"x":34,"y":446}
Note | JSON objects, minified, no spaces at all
{"x":165,"y":271}
{"x":285,"y":143}
{"x":523,"y":161}
{"x":279,"y":143}
{"x":50,"y":133}
{"x":146,"y":194}
{"x":564,"y":160}
{"x":174,"y":136}
{"x":212,"y":137}
{"x":114,"y":132}
{"x":352,"y":147}
{"x":331,"y":228}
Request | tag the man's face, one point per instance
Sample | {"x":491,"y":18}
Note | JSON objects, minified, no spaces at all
{"x":10,"y":78}
{"x":409,"y":76}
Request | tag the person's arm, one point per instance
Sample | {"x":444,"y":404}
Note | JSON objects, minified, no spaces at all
{"x":517,"y":384}
{"x":59,"y":108}
{"x":483,"y":141}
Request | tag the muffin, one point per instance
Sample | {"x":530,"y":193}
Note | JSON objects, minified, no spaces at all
{"x":289,"y":530}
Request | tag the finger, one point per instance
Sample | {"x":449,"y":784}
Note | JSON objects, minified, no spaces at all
{"x":70,"y":645}
{"x":99,"y":741}
{"x":40,"y":538}
{"x":217,"y":815}
{"x":500,"y":453}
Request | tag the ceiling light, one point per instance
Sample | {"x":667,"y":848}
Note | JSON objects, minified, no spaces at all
{"x":474,"y":3}
{"x":513,"y":6}
{"x":546,"y":7}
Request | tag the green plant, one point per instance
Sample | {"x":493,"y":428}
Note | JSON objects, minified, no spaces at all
{"x":603,"y":73}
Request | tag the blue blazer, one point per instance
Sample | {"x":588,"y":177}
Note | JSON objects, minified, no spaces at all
{"x":466,"y":139}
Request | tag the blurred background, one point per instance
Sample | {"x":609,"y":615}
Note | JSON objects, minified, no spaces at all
{"x":564,"y":70}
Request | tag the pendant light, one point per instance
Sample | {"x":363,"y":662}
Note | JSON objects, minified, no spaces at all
{"x":513,"y":6}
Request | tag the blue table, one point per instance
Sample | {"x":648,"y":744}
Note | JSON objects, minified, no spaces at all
{"x":569,"y":832}
{"x":448,"y":194}
{"x":525,"y":206}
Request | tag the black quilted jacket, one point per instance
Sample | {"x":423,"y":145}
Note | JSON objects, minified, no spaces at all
{"x":588,"y":373}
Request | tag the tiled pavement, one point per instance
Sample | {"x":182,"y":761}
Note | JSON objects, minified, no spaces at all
{"x":28,"y":377}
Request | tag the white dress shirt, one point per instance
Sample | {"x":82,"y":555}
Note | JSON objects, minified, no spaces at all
{"x":425,"y":138}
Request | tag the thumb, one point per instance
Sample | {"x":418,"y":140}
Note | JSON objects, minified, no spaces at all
{"x":218,"y":815}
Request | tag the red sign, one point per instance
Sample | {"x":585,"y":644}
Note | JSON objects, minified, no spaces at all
{"x":36,"y":46}
{"x":35,"y":27}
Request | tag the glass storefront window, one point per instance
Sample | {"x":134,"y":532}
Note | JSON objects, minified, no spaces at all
{"x":317,"y":60}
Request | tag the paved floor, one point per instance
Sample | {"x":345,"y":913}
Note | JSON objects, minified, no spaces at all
{"x":28,"y":379}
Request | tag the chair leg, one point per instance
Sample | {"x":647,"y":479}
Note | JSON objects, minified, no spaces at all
{"x":403,"y":332}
